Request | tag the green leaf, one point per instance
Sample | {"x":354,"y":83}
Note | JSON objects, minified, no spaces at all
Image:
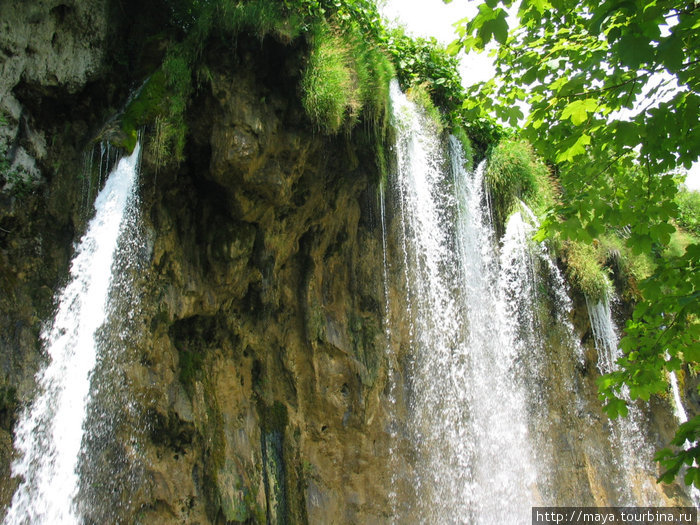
{"x":578,"y":110}
{"x":494,"y":25}
{"x":578,"y":148}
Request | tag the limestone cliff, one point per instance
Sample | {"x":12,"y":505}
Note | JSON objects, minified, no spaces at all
{"x":252,"y":383}
{"x":259,"y":370}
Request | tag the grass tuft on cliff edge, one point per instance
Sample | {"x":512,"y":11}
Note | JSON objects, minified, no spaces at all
{"x":515,"y":173}
{"x":345,"y":80}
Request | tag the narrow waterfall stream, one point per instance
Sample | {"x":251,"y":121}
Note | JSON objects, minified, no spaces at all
{"x":682,"y":417}
{"x":469,"y":391}
{"x":50,"y":432}
{"x":431,"y":272}
{"x":634,"y":452}
{"x":491,"y":290}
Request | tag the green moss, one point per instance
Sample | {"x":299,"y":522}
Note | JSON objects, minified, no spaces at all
{"x":148,"y":103}
{"x":344,"y":77}
{"x":628,"y":268}
{"x":274,"y":418}
{"x":515,"y":173}
{"x":191,"y":362}
{"x":419,"y":95}
{"x":586,"y":271}
{"x":161,"y":103}
{"x":461,"y":135}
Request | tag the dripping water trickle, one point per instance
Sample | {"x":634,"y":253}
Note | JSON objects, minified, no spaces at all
{"x":634,"y":454}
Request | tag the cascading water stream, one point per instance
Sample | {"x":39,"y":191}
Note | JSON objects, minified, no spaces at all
{"x":682,"y":417}
{"x":502,"y":484}
{"x":391,"y":379}
{"x":435,"y":319}
{"x":50,"y":431}
{"x":634,"y":453}
{"x":489,"y":323}
{"x":678,"y":408}
{"x":475,"y":349}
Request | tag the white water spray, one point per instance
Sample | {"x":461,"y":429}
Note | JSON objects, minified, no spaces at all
{"x":49,"y":433}
{"x":634,"y":453}
{"x":468,"y":397}
{"x":437,"y":418}
{"x":504,"y":479}
{"x":682,"y":417}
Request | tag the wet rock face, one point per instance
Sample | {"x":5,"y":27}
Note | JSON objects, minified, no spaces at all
{"x":262,"y":360}
{"x":52,"y":43}
{"x":253,"y":385}
{"x":46,"y":47}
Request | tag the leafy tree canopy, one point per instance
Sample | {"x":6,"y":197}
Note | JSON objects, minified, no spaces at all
{"x":613,"y":90}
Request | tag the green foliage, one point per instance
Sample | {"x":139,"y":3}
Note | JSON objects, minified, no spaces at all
{"x":586,"y":271}
{"x":662,"y":335}
{"x":515,"y":173}
{"x":689,"y":211}
{"x":628,"y":268}
{"x":614,"y":94}
{"x":679,"y":242}
{"x":674,"y":460}
{"x":425,"y":62}
{"x":344,"y":75}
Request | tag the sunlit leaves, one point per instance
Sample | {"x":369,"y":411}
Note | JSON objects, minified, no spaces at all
{"x":578,"y":111}
{"x":577,"y":148}
{"x":490,"y":23}
{"x":614,"y":96}
{"x":673,"y":461}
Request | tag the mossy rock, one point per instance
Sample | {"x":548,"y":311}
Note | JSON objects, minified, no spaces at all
{"x":143,"y":109}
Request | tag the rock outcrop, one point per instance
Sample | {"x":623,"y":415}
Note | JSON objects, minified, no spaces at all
{"x":252,"y":385}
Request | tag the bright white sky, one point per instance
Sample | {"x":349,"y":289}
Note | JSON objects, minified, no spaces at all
{"x":434,"y":18}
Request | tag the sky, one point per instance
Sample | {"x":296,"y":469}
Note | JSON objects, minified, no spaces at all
{"x":435,"y":18}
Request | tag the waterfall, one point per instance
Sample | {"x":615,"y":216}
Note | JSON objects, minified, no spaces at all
{"x":682,"y":417}
{"x":495,"y":292}
{"x":50,"y":431}
{"x":634,"y":455}
{"x":489,"y":326}
{"x":474,"y":375}
{"x":436,"y":406}
{"x":678,"y":408}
